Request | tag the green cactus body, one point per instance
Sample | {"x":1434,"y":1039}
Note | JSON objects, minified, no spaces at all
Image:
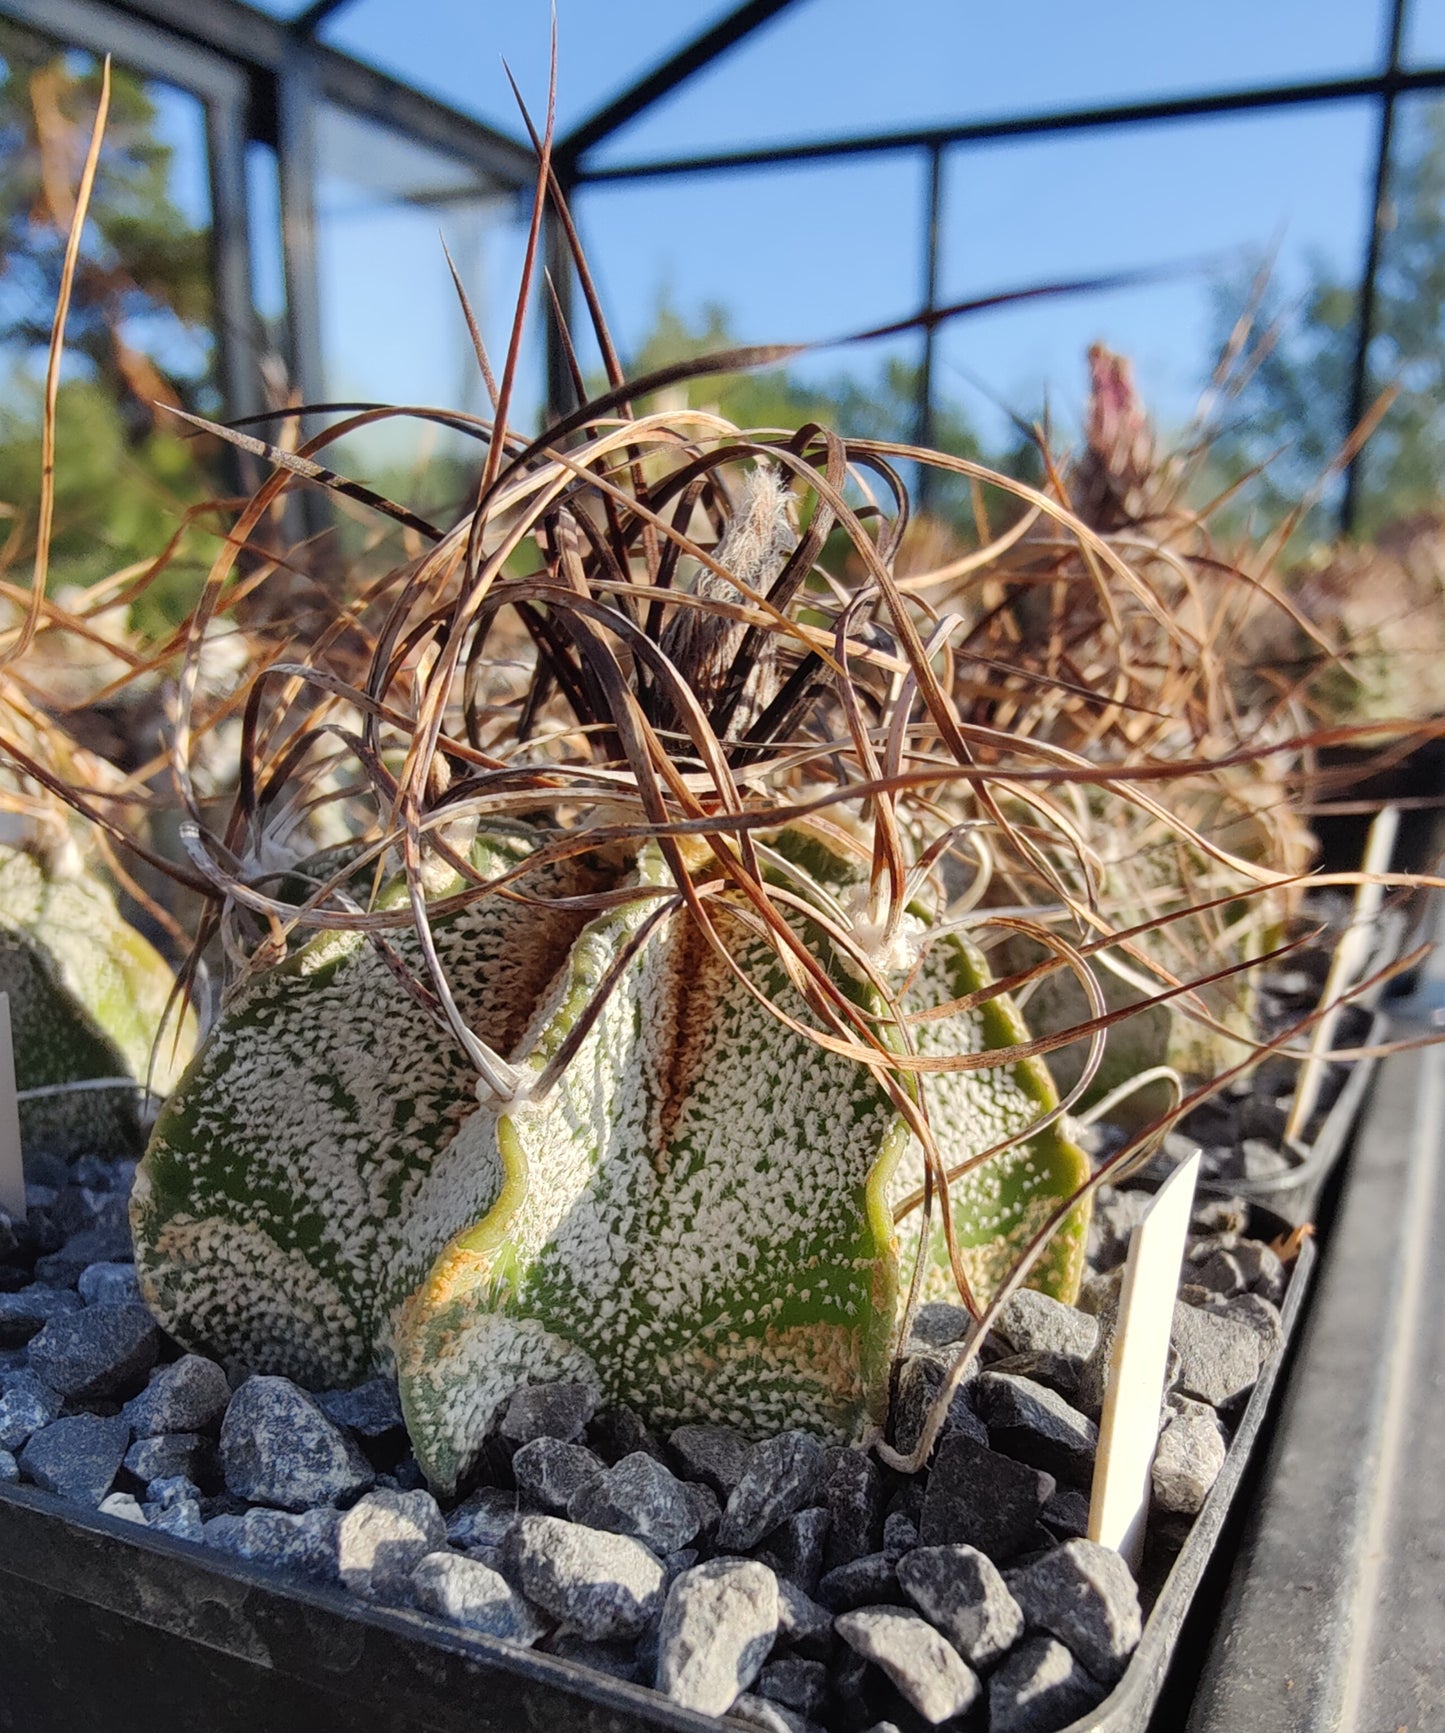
{"x":696,"y":1216}
{"x":269,"y":1211}
{"x":87,"y":999}
{"x":697,"y":1219}
{"x":693,"y":1220}
{"x":1000,"y":1205}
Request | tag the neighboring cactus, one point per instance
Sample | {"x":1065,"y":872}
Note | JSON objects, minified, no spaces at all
{"x":1147,"y":871}
{"x":88,"y":998}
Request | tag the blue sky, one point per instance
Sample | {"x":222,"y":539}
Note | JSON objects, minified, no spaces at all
{"x":805,"y":253}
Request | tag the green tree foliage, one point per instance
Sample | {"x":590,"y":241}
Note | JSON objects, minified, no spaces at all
{"x":138,"y":334}
{"x":1291,"y":412}
{"x":878,"y":405}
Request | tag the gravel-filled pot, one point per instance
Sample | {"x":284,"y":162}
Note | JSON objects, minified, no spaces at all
{"x":263,"y":1557}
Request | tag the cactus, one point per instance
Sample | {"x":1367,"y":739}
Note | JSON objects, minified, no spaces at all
{"x":694,"y":1218}
{"x":268,"y":1212}
{"x":88,"y":996}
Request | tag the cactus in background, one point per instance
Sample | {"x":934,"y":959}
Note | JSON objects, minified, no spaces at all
{"x":88,"y":998}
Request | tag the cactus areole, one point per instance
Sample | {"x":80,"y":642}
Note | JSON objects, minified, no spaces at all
{"x":691,"y":1211}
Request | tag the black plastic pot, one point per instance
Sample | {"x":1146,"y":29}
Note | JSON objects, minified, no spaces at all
{"x":105,"y":1624}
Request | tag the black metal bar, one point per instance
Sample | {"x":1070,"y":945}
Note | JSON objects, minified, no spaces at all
{"x":665,"y":77}
{"x":561,"y":397}
{"x":166,"y":32}
{"x":1365,"y":310}
{"x":398,"y":106}
{"x":932,"y":219}
{"x":1194,"y":107}
{"x":307,"y":23}
{"x":239,"y":366}
{"x":154,"y":51}
{"x":296,"y":106}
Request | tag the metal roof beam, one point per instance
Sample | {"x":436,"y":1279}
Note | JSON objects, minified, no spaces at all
{"x":667,"y":76}
{"x":261,"y":47}
{"x":307,"y":23}
{"x":1193,"y":107}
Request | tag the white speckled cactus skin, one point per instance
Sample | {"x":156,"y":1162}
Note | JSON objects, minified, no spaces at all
{"x":696,"y":1218}
{"x":269,"y":1212}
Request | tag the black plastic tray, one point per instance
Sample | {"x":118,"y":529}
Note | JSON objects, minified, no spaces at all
{"x":104,"y":1624}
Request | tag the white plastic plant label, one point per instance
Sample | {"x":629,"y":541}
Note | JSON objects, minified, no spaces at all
{"x":1134,"y":1394}
{"x":12,"y":1169}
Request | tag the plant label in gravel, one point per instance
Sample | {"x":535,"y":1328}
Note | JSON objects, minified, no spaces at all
{"x":12,"y":1169}
{"x":1129,"y":1432}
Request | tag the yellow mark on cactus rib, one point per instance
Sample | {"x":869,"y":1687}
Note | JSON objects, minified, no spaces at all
{"x":481,"y":1255}
{"x":882,"y":1321}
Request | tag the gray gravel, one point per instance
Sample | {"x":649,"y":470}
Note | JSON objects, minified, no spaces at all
{"x":473,"y":1594}
{"x":482,"y":1522}
{"x":381,"y":1540}
{"x":1040,"y":1687}
{"x":27,"y":1405}
{"x":548,"y":1411}
{"x":751,"y":1710}
{"x":714,"y":1455}
{"x":939,"y":1323}
{"x":919,"y":1381}
{"x":717,"y":1628}
{"x":123,"y":1506}
{"x":189,"y":1396}
{"x":984,"y":1499}
{"x":802,"y":1622}
{"x":77,"y":1457}
{"x":1034,"y":1424}
{"x":853,"y":1495}
{"x":780,"y":1475}
{"x":639,"y":1498}
{"x":960,"y":1592}
{"x":305,"y":1544}
{"x":181,"y":1519}
{"x":602,"y":1585}
{"x":617,"y":1659}
{"x":799,"y":1685}
{"x":1083,"y":1594}
{"x":927,"y":1671}
{"x":172,"y":1453}
{"x":1189,"y":1457}
{"x":1031,"y":1322}
{"x":549,"y":1472}
{"x":109,"y":1285}
{"x":1220,"y":1355}
{"x":278,"y":1448}
{"x":371,"y":1410}
{"x":796,"y":1548}
{"x":862,"y":1582}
